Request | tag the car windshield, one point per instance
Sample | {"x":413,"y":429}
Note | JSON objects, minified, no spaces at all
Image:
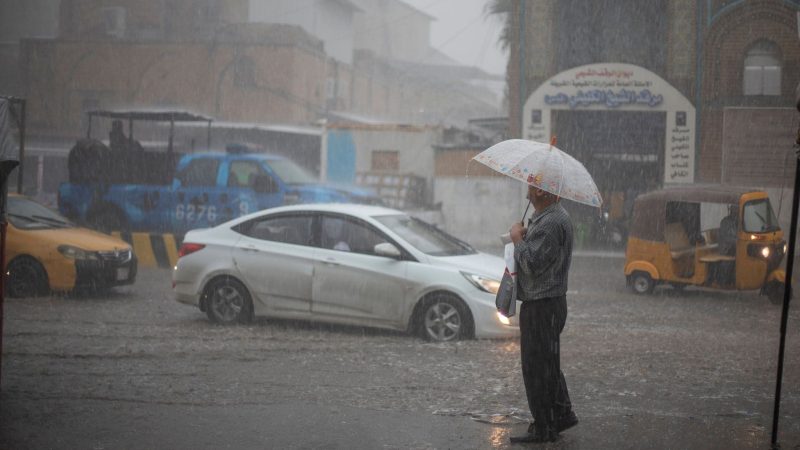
{"x":27,"y":214}
{"x":291,"y":173}
{"x":758,"y":217}
{"x":425,"y":237}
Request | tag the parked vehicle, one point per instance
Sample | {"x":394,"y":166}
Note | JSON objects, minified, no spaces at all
{"x":46,"y":252}
{"x":123,"y":187}
{"x":713,"y":236}
{"x":342,"y":263}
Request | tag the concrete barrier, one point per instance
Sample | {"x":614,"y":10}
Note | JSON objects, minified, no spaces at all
{"x":153,"y":249}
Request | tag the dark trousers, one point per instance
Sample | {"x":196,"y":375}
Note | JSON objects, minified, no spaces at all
{"x":540,"y":323}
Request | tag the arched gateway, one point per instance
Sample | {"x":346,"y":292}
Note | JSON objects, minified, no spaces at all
{"x":625,"y":122}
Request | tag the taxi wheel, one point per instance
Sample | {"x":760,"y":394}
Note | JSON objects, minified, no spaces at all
{"x":444,"y":318}
{"x":26,"y":278}
{"x":642,"y":283}
{"x":228,"y":302}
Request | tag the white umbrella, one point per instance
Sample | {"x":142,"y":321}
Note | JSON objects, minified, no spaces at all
{"x":544,"y":166}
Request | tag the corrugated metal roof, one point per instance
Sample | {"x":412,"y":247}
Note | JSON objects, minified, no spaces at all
{"x":152,"y":114}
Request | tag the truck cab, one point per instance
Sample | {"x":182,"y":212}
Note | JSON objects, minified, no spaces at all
{"x":211,"y":188}
{"x":123,"y":187}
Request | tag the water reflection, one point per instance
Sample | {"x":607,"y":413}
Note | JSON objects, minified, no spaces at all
{"x":499,"y":436}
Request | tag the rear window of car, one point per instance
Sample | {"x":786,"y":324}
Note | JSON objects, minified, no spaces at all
{"x":289,"y":229}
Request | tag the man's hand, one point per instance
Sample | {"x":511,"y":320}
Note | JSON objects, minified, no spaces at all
{"x":517,"y":232}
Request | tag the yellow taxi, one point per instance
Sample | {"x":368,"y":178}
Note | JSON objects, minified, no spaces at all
{"x":46,"y":252}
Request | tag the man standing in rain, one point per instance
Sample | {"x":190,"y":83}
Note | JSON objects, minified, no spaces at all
{"x":543,"y":252}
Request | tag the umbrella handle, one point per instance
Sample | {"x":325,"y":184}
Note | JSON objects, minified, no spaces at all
{"x":525,"y":213}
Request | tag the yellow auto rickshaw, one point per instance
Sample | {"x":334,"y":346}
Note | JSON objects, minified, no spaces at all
{"x":720,"y":237}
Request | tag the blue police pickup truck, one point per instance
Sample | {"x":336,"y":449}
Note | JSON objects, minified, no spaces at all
{"x":136,"y":190}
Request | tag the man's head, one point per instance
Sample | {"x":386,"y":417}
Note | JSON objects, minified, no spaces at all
{"x":540,"y":198}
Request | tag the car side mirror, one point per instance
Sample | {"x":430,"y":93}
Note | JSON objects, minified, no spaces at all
{"x":264,"y":184}
{"x":387,"y":249}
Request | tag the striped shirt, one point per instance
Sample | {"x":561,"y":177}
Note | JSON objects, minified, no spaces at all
{"x":544,"y":255}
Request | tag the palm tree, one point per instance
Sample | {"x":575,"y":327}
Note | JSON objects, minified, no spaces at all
{"x":503,"y":9}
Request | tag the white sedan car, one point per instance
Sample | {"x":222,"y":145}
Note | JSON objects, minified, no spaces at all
{"x":349,"y":264}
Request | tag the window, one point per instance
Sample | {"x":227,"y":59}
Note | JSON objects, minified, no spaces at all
{"x":287,"y":229}
{"x":385,"y":160}
{"x":199,"y":172}
{"x":243,"y":174}
{"x":758,"y":217}
{"x":762,"y":69}
{"x":425,"y":237}
{"x":347,"y":235}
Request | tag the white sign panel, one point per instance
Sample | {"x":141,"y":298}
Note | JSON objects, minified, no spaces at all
{"x":622,"y":87}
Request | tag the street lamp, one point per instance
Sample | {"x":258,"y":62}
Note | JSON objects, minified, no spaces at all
{"x":787,"y":293}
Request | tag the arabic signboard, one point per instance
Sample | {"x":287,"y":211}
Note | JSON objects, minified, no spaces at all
{"x":618,"y":87}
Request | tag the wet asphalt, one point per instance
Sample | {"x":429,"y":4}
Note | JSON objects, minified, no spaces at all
{"x":135,"y":370}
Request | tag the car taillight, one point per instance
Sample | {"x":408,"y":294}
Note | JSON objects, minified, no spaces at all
{"x":188,"y":248}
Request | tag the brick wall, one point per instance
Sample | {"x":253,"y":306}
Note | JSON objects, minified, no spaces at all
{"x":729,"y":39}
{"x":726,"y":43}
{"x":64,"y":78}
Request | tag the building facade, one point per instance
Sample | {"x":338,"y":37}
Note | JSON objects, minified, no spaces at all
{"x":661,"y":92}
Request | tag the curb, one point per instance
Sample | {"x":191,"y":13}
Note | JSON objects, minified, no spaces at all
{"x":153,"y":249}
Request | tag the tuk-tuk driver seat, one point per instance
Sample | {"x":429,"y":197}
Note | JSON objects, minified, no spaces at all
{"x":680,"y":248}
{"x":678,"y":240}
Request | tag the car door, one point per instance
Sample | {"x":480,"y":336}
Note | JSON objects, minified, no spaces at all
{"x":350,"y":280}
{"x":275,"y":257}
{"x":250,"y":188}
{"x":196,"y":194}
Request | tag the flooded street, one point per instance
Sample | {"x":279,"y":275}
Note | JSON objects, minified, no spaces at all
{"x":135,"y":369}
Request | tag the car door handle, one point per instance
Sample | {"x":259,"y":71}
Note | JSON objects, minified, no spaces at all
{"x":330,"y":262}
{"x":250,"y":249}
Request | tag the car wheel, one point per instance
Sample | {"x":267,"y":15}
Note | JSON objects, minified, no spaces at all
{"x":444,"y":318}
{"x":26,"y":278}
{"x":642,"y":283}
{"x":228,"y":302}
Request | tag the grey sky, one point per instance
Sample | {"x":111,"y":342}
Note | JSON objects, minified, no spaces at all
{"x":463,"y":32}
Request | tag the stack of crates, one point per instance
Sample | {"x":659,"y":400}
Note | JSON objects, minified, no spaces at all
{"x":401,"y":191}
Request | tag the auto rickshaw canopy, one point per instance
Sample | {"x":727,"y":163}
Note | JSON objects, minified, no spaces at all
{"x":650,"y":209}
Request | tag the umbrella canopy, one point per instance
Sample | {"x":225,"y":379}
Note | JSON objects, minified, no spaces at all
{"x":544,"y":166}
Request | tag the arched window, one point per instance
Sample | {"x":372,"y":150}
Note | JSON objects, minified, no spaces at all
{"x":762,"y":69}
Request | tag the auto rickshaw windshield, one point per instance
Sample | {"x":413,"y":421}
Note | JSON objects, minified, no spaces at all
{"x":758,"y":217}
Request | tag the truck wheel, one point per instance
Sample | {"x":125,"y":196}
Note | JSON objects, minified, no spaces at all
{"x":227,"y":302}
{"x":26,"y":278}
{"x":107,"y":221}
{"x":641,"y":283}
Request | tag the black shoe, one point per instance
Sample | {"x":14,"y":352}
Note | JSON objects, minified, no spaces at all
{"x":564,"y":422}
{"x":535,"y":437}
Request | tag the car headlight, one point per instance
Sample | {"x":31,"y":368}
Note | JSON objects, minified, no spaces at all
{"x":785,"y":247}
{"x":765,"y":252}
{"x":76,"y":253}
{"x":485,"y":284}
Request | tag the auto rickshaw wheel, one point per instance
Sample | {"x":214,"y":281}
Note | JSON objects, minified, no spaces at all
{"x":774,"y":291}
{"x":641,"y":283}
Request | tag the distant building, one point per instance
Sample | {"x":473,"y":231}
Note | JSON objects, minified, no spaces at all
{"x":241,"y":60}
